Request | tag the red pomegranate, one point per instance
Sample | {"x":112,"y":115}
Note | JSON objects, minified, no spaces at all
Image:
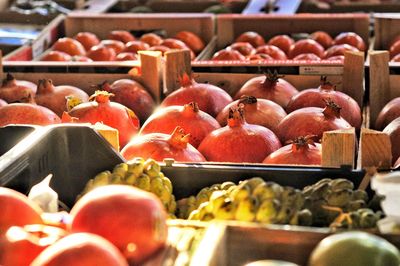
{"x":283,"y":42}
{"x":133,"y":95}
{"x":239,"y":141}
{"x":339,"y":49}
{"x":194,"y":121}
{"x":69,"y":46}
{"x":322,"y":38}
{"x":13,"y":90}
{"x":389,"y":112}
{"x":351,"y":38}
{"x":160,"y":146}
{"x":211,"y":99}
{"x":110,"y":113}
{"x":251,"y":37}
{"x":302,"y":151}
{"x":306,"y":46}
{"x":311,"y":121}
{"x":272,"y":51}
{"x":121,"y":35}
{"x":271,"y":87}
{"x":136,"y":46}
{"x":228,"y":54}
{"x":316,"y":97}
{"x":87,"y":39}
{"x":261,"y":112}
{"x":244,"y":48}
{"x":393,"y":130}
{"x":54,"y":97}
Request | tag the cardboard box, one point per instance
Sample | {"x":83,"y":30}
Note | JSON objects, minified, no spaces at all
{"x":102,"y":24}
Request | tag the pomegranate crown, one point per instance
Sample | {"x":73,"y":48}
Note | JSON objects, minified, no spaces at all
{"x":104,"y":86}
{"x":8,"y":78}
{"x":186,"y":79}
{"x":302,"y":142}
{"x":332,"y":109}
{"x":272,"y":77}
{"x":245,"y":99}
{"x":192,"y":106}
{"x":236,"y":115}
{"x":179,"y":138}
{"x":44,"y":85}
{"x":101,"y":96}
{"x":326,"y":85}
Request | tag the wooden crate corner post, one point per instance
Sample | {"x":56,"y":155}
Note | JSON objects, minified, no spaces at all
{"x":176,"y":64}
{"x":375,"y":149}
{"x":151,"y":76}
{"x":379,"y":82}
{"x":338,"y":148}
{"x":353,"y":76}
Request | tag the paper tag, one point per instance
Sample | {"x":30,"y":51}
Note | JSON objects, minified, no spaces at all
{"x":40,"y":45}
{"x":321,"y":70}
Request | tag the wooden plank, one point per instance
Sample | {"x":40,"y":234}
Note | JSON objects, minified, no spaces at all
{"x":379,"y":84}
{"x":338,"y":148}
{"x":353,"y":76}
{"x":386,"y":28}
{"x":176,"y":64}
{"x":375,"y":149}
{"x":150,"y":63}
{"x":1,"y":65}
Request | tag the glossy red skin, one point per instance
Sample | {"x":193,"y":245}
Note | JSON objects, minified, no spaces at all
{"x":308,"y":121}
{"x":350,"y":111}
{"x":160,"y":48}
{"x":23,"y":240}
{"x":393,"y":130}
{"x":53,"y":97}
{"x":16,"y":90}
{"x":56,"y":56}
{"x":151,"y":39}
{"x":126,"y":56}
{"x":197,"y":124}
{"x":239,"y":144}
{"x":226,"y":54}
{"x":306,"y":46}
{"x":397,"y":38}
{"x":251,"y":37}
{"x":156,"y":146}
{"x":310,"y":155}
{"x":264,"y":112}
{"x":122,"y":215}
{"x":81,"y":58}
{"x":257,"y":57}
{"x":336,"y":58}
{"x":26,"y":113}
{"x":136,"y":46}
{"x":87,"y":39}
{"x":194,"y":42}
{"x":110,"y":113}
{"x":69,"y":46}
{"x":133,"y":95}
{"x":322,"y":38}
{"x":17,"y":209}
{"x":101,"y":53}
{"x":2,"y":103}
{"x":272,"y":51}
{"x":397,"y":163}
{"x":388,"y":113}
{"x":350,"y":38}
{"x":308,"y":56}
{"x":394,"y":49}
{"x":283,"y":42}
{"x":121,"y":35}
{"x":118,"y":46}
{"x":211,"y":99}
{"x":280,"y":92}
{"x":244,"y":48}
{"x":81,"y":249}
{"x":339,"y":50}
{"x":396,"y":58}
{"x":177,"y":44}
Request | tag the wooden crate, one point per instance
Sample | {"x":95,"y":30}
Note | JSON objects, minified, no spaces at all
{"x":102,"y":24}
{"x":386,"y":28}
{"x":229,"y":27}
{"x":350,"y":6}
{"x":349,"y":79}
{"x":235,"y":243}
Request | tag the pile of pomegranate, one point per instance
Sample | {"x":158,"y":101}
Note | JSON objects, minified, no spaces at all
{"x":120,"y":45}
{"x":251,"y":46}
{"x":199,"y":121}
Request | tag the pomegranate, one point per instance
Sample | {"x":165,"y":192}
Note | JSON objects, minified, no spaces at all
{"x":56,"y":56}
{"x":322,"y":38}
{"x":244,"y":48}
{"x":308,"y":56}
{"x":315,"y":97}
{"x":283,"y":42}
{"x":121,"y":35}
{"x":54,"y":97}
{"x":81,"y":58}
{"x":261,"y":112}
{"x":257,"y":57}
{"x":311,"y":121}
{"x":195,"y":122}
{"x":302,"y":151}
{"x":239,"y":141}
{"x":13,"y":90}
{"x":151,"y":39}
{"x":81,"y":249}
{"x":271,"y":87}
{"x":337,"y":58}
{"x":394,"y":49}
{"x":163,"y":49}
{"x":306,"y":46}
{"x":27,"y":113}
{"x":132,"y":219}
{"x":339,"y":49}
{"x":69,"y":46}
{"x":272,"y":51}
{"x":87,"y":39}
{"x":194,"y":42}
{"x":396,"y":58}
{"x":251,"y":37}
{"x":118,"y":46}
{"x":110,"y":113}
{"x":126,"y":56}
{"x":136,"y":46}
{"x":389,"y":112}
{"x":228,"y":54}
{"x":133,"y":95}
{"x":351,"y":38}
{"x":101,"y":53}
{"x":21,"y":245}
{"x":17,"y":209}
{"x":211,"y":99}
{"x":159,"y":146}
{"x":393,"y":130}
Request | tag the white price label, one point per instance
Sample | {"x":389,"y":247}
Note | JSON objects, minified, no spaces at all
{"x":40,"y":45}
{"x":321,"y":70}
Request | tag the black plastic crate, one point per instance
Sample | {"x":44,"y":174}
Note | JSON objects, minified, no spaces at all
{"x":11,"y":135}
